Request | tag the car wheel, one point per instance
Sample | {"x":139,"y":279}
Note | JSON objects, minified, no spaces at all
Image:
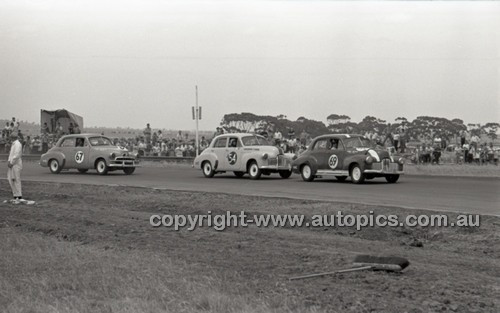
{"x":55,"y":166}
{"x":391,"y":179}
{"x":208,"y":170}
{"x":129,"y":170}
{"x":341,"y":178}
{"x":254,"y":170}
{"x":306,"y":172}
{"x":101,"y":167}
{"x":357,"y":175}
{"x":239,"y":174}
{"x":83,"y":170}
{"x":285,"y":174}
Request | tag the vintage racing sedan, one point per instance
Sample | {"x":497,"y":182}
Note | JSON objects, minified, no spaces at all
{"x":243,"y":153}
{"x":345,"y":156}
{"x":88,"y":151}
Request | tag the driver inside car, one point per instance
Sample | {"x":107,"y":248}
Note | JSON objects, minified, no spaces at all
{"x":233,"y":143}
{"x":79,"y":142}
{"x":334,"y":144}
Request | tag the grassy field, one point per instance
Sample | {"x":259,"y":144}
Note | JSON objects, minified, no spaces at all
{"x":471,"y":170}
{"x":91,"y":249}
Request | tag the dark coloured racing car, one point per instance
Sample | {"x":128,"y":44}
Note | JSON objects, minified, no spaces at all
{"x":345,"y":156}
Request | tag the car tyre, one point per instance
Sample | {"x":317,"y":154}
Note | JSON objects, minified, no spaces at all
{"x":55,"y":166}
{"x":129,"y":170}
{"x":285,"y":174}
{"x":254,"y":170}
{"x":239,"y":174}
{"x":101,"y":167}
{"x":391,"y":179}
{"x":357,"y":175}
{"x":208,"y":169}
{"x":82,"y":170}
{"x":341,"y":178}
{"x":306,"y":172}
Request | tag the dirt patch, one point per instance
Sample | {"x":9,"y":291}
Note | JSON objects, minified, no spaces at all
{"x":235,"y":270}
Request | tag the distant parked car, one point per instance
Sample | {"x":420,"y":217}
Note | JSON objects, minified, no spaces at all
{"x":343,"y":156}
{"x":88,"y":151}
{"x":243,"y":153}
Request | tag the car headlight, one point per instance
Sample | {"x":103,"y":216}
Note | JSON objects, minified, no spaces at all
{"x":369,"y":160}
{"x":401,"y":161}
{"x":374,"y":155}
{"x":265,"y":156}
{"x":112,"y":155}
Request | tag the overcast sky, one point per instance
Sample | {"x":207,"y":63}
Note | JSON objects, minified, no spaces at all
{"x":126,"y":63}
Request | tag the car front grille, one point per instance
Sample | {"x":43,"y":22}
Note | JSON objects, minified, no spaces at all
{"x":273,"y":161}
{"x":124,"y":159}
{"x":282,"y":161}
{"x":129,"y":161}
{"x":385,"y":165}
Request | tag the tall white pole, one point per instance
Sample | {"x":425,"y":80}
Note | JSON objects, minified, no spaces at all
{"x":197,"y":115}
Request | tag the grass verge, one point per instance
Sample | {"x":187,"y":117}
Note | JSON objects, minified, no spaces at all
{"x":91,"y":249}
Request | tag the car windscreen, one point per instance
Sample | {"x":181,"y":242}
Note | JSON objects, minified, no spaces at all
{"x":357,"y":142}
{"x":255,"y":141}
{"x":220,"y":143}
{"x":100,"y":141}
{"x":68,"y":142}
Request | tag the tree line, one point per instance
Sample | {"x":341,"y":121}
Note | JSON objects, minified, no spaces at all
{"x":421,"y":127}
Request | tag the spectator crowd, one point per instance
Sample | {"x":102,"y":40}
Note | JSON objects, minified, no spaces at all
{"x":154,"y":143}
{"x":11,"y":126}
{"x":35,"y":144}
{"x":465,"y":148}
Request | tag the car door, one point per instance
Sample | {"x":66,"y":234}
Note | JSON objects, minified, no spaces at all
{"x":68,"y":149}
{"x":75,"y":152}
{"x":321,"y":152}
{"x":219,"y":150}
{"x":82,"y":153}
{"x":336,"y":155}
{"x":233,"y":157}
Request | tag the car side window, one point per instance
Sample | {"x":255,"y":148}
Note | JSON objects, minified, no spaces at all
{"x":80,"y":142}
{"x":233,"y":142}
{"x":336,"y":144}
{"x":351,"y":143}
{"x":68,"y":142}
{"x":321,"y":145}
{"x":220,"y":143}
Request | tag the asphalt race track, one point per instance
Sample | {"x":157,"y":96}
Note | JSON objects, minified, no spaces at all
{"x":456,"y":194}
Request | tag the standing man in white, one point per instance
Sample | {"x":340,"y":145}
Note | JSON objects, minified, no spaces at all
{"x":15,"y":165}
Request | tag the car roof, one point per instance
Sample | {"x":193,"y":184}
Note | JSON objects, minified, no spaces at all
{"x":83,"y":135}
{"x":338,"y":136}
{"x":239,"y":135}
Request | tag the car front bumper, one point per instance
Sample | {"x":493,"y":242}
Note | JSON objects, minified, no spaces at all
{"x":123,"y":162}
{"x":280,"y":163}
{"x":385,"y":168}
